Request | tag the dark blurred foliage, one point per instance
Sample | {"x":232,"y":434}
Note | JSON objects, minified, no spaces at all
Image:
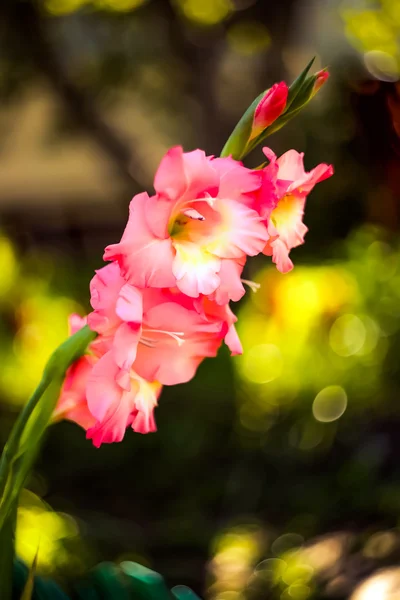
{"x":92,"y":94}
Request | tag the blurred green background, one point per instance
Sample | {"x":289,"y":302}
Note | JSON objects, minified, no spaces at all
{"x":274,"y":475}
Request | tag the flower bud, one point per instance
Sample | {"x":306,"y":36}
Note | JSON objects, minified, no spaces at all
{"x":272,"y":110}
{"x":264,"y":111}
{"x":270,"y":107}
{"x":320,"y":78}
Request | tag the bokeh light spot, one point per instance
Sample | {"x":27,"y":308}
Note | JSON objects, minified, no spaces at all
{"x":271,"y":569}
{"x":44,"y":533}
{"x":8,"y":265}
{"x":347,"y":335}
{"x":231,"y":567}
{"x":119,"y":5}
{"x":297,"y":591}
{"x":64,"y":7}
{"x":392,"y":9}
{"x":206,"y":12}
{"x":306,"y":436}
{"x":382,"y":65}
{"x":381,"y":544}
{"x":330,"y":404}
{"x":263,"y":363}
{"x":370,"y":30}
{"x":384,"y":585}
{"x":324,"y":553}
{"x":248,"y":37}
{"x":286,"y":542}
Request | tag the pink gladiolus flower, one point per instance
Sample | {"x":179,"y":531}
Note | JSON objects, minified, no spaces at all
{"x":196,"y":222}
{"x":270,"y":107}
{"x":293,"y":184}
{"x":162,"y":304}
{"x":160,"y":333}
{"x":101,"y":398}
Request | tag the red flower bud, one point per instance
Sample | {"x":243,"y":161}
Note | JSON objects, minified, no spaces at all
{"x":270,"y":107}
{"x":320,"y":78}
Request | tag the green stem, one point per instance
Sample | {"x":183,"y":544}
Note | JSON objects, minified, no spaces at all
{"x":11,"y":447}
{"x":7,"y":555}
{"x":24,"y":443}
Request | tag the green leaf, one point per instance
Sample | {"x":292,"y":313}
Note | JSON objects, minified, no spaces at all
{"x":30,"y":582}
{"x":7,"y":555}
{"x":109,"y":583}
{"x":297,"y":84}
{"x":43,"y":589}
{"x":145,"y":584}
{"x":181,"y":592}
{"x":237,"y":141}
{"x":24,"y":444}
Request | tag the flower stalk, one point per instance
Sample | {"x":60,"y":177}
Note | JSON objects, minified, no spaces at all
{"x":179,"y":261}
{"x":24,"y":443}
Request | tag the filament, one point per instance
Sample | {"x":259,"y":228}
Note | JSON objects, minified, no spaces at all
{"x":253,"y":285}
{"x":176,"y":335}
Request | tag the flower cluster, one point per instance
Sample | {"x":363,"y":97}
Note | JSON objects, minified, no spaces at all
{"x":161,"y":304}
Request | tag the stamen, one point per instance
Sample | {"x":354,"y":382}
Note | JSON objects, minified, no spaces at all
{"x":207,"y":198}
{"x":252,"y":285}
{"x":193,"y":214}
{"x":176,"y":335}
{"x":147,"y":342}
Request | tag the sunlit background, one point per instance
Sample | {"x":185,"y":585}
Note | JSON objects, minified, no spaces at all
{"x":273,"y":475}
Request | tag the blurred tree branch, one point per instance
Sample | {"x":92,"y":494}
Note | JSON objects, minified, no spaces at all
{"x":25,"y":27}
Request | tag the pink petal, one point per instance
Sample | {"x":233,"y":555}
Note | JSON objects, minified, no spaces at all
{"x":125,"y":344}
{"x":170,"y":178}
{"x":145,"y":260}
{"x":305,"y":184}
{"x":196,"y":270}
{"x":291,"y":170}
{"x":291,"y":165}
{"x":287,"y":219}
{"x":72,"y":404}
{"x":145,"y":403}
{"x":129,"y":305}
{"x":158,"y":210}
{"x":76,"y":322}
{"x":200,"y":174}
{"x":112,"y":428}
{"x":180,"y":338}
{"x":233,"y":342}
{"x":280,"y":256}
{"x":231,"y":287}
{"x":241,"y":232}
{"x":172,"y":365}
{"x":236,"y":181}
{"x":102,"y":391}
{"x":105,"y":287}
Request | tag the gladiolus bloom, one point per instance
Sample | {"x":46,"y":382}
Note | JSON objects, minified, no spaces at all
{"x":160,"y":333}
{"x":293,"y":184}
{"x":195,"y":224}
{"x":101,"y":398}
{"x":161,"y":305}
{"x":119,"y":401}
